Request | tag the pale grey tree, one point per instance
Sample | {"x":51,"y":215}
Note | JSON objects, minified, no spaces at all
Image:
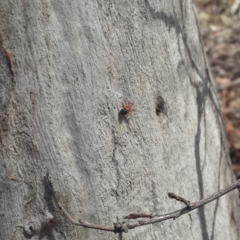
{"x":68,"y":69}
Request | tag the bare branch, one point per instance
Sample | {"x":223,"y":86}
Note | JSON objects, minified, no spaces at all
{"x":180,"y":199}
{"x":193,"y":206}
{"x":73,"y":221}
{"x":124,"y":227}
{"x":138,"y":215}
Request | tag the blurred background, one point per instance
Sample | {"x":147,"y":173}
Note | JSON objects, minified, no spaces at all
{"x":220,"y":27}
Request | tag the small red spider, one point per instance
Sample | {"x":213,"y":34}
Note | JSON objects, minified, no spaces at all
{"x":126,"y":109}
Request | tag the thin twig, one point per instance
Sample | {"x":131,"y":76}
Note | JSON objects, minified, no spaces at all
{"x":124,"y":227}
{"x":193,"y":206}
{"x":73,"y":221}
{"x":180,"y":199}
{"x":137,"y":215}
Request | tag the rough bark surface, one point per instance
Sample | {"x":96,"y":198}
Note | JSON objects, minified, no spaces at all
{"x":66,"y":68}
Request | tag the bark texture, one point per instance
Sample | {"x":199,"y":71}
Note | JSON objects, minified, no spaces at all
{"x":66,"y":68}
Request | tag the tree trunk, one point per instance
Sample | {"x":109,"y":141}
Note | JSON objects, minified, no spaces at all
{"x":67,"y":68}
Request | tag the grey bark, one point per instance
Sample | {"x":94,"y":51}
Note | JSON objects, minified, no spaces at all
{"x":66,"y":69}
